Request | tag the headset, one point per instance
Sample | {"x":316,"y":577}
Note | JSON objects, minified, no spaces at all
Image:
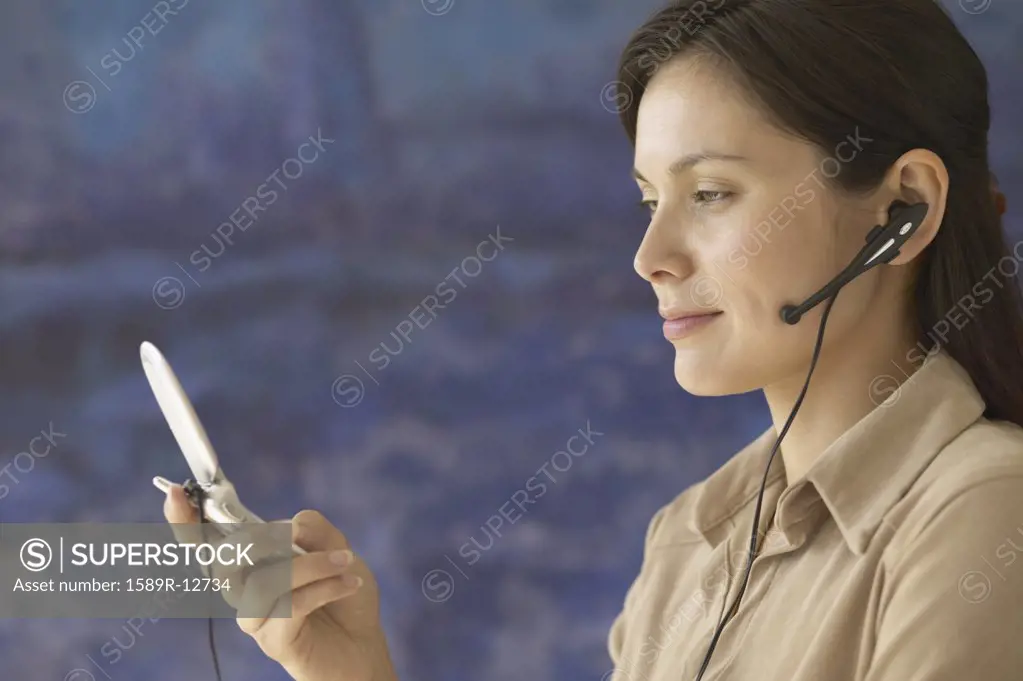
{"x":883,"y":244}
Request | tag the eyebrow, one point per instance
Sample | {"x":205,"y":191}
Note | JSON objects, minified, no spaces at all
{"x":687,"y":162}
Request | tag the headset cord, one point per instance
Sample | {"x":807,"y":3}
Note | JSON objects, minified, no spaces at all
{"x":763,"y":487}
{"x":194,"y":491}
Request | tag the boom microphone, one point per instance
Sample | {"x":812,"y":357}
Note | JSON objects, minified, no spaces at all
{"x":883,"y":244}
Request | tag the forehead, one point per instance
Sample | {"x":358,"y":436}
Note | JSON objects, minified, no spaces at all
{"x":692,"y":105}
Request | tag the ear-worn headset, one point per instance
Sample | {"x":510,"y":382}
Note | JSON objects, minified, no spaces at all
{"x":883,"y":244}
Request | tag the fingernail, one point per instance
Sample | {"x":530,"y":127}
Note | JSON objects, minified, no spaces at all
{"x":353,"y":581}
{"x":341,"y":558}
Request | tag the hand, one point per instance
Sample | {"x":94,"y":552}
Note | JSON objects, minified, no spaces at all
{"x":334,"y":631}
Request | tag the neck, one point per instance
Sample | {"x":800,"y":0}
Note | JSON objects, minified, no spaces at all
{"x":850,"y":379}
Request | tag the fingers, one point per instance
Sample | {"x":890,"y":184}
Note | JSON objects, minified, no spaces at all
{"x":286,"y":592}
{"x":264,"y":588}
{"x":262,"y":551}
{"x":289,"y":615}
{"x":313,"y":532}
{"x":317,"y":576}
{"x":312,"y":597}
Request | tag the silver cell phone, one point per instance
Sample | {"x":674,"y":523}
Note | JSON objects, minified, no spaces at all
{"x":221,"y":506}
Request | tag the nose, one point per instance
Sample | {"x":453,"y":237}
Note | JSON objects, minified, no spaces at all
{"x":663,"y":254}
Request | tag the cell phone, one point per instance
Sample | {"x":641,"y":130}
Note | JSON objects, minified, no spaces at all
{"x":221,"y":506}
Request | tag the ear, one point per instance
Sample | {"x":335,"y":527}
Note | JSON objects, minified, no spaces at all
{"x":919,"y":176}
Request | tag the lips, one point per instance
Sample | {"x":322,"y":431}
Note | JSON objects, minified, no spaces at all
{"x":682,"y":324}
{"x":672,"y":314}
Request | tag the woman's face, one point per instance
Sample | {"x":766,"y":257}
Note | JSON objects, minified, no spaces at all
{"x":742,"y":223}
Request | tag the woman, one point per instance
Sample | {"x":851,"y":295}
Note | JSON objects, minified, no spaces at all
{"x":770,"y":137}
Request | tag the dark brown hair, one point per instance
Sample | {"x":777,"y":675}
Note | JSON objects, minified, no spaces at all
{"x":902,"y":74}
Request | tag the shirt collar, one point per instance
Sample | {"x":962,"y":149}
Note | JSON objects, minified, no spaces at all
{"x":863,"y":473}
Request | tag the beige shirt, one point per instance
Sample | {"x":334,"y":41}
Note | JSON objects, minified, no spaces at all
{"x":896,"y":558}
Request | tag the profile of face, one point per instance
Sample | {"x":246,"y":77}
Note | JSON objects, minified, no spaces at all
{"x":743,"y":221}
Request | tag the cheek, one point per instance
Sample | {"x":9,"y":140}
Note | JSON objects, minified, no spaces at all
{"x":768,"y":259}
{"x":756,"y":263}
{"x":746,"y":258}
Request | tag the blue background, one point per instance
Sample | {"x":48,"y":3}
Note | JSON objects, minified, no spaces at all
{"x":451,"y":118}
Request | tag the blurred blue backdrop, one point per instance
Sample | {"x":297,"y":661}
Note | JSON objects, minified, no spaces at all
{"x":300,"y":332}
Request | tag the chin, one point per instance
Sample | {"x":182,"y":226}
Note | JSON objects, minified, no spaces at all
{"x":707,"y":377}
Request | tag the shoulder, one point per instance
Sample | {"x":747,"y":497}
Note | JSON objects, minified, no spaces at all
{"x":952,"y":581}
{"x":970,"y":494}
{"x":671,"y":523}
{"x":674,"y":523}
{"x":709,"y":503}
{"x":986,"y":446}
{"x":985,"y":454}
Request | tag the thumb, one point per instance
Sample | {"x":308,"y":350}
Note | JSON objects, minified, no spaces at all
{"x":176,"y":507}
{"x":181,"y":515}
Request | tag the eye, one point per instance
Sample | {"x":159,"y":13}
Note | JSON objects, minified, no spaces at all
{"x":709,"y":196}
{"x":649,"y":204}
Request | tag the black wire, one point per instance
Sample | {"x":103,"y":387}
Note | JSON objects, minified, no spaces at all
{"x":763,"y":487}
{"x":194,"y":490}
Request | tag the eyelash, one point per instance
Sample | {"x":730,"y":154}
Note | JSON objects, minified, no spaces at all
{"x":651,"y":204}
